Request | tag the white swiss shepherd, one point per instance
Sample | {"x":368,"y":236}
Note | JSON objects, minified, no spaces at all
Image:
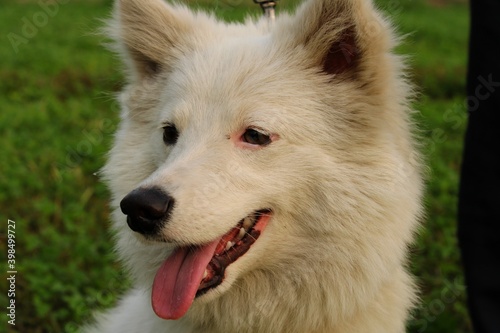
{"x":264,"y":178}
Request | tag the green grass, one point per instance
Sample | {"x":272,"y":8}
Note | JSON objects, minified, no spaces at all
{"x":57,"y":120}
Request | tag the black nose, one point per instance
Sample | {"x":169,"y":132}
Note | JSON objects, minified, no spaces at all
{"x":147,"y":209}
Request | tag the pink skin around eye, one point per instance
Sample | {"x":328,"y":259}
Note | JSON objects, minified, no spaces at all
{"x":237,"y":139}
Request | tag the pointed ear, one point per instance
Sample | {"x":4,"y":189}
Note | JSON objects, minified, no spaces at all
{"x":338,"y":36}
{"x":149,"y":34}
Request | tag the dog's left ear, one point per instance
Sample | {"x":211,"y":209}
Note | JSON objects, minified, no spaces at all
{"x":150,"y":35}
{"x":341,"y":37}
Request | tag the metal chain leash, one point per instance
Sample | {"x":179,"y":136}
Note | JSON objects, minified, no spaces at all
{"x":269,"y":8}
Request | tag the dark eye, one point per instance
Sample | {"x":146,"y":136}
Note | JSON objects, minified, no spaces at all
{"x":170,"y":134}
{"x":255,"y":137}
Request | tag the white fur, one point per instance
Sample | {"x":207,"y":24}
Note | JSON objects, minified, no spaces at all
{"x":343,"y":179}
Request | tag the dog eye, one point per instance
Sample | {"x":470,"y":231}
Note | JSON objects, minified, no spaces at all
{"x":255,"y":137}
{"x":170,"y":134}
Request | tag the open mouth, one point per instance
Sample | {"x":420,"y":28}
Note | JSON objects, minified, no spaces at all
{"x":194,"y":270}
{"x":232,"y":246}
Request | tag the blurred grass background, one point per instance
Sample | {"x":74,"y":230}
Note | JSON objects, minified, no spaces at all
{"x":57,"y":120}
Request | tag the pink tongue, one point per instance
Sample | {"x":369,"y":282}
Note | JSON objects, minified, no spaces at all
{"x":178,"y":279}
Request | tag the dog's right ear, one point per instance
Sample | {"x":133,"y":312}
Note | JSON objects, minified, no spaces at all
{"x":346,"y":39}
{"x":149,"y":34}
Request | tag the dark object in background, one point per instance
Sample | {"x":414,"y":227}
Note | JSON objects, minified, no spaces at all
{"x":479,"y":198}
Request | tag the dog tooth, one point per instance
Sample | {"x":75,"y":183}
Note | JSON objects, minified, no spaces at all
{"x":205,"y":274}
{"x":229,"y":245}
{"x":241,"y":233}
{"x":247,"y":222}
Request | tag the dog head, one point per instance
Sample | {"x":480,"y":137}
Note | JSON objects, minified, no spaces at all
{"x":248,"y":152}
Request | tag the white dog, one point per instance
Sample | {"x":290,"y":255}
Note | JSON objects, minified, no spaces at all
{"x":264,"y":176}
